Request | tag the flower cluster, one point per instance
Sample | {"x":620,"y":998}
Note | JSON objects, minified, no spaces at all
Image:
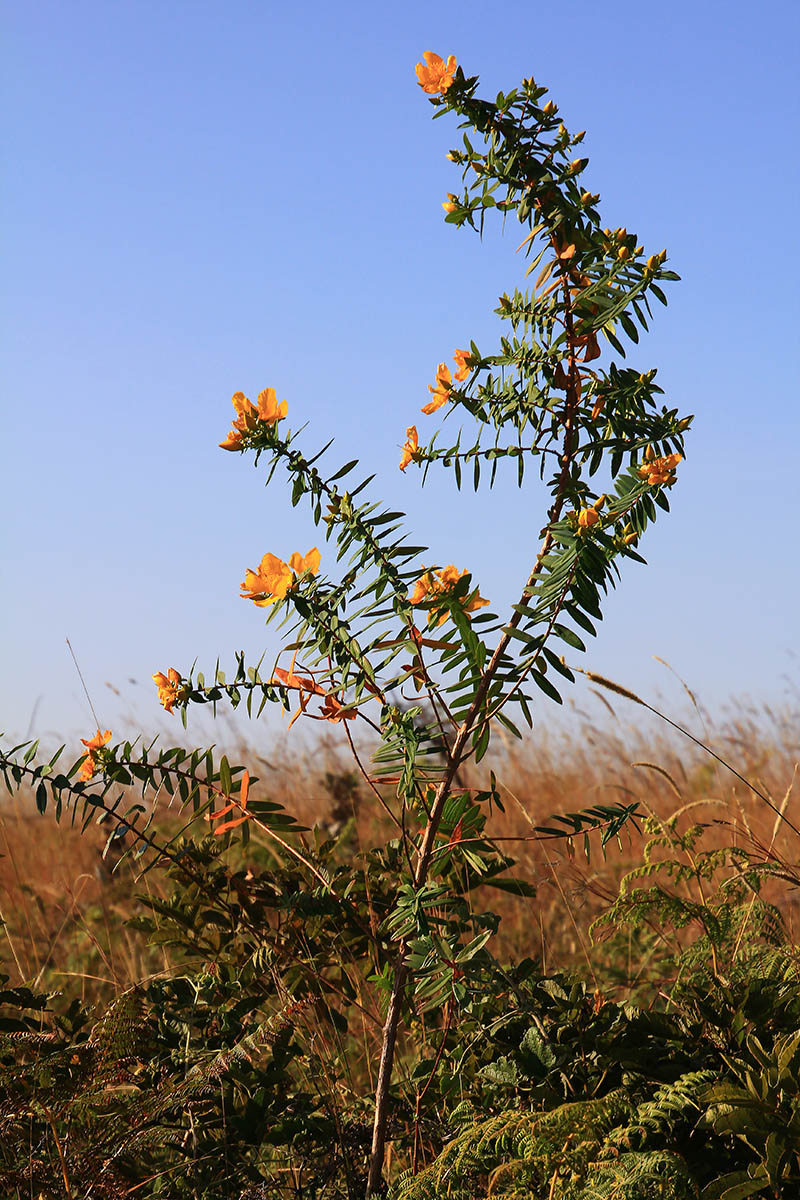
{"x":435,"y":586}
{"x":266,"y":411}
{"x":659,"y":472}
{"x":434,"y":75}
{"x":171,"y":688}
{"x":274,"y":577}
{"x":94,"y":747}
{"x":444,"y":380}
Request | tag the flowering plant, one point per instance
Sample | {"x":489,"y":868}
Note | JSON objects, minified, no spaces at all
{"x":556,"y":393}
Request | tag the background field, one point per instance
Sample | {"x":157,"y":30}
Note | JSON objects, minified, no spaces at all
{"x":65,"y":905}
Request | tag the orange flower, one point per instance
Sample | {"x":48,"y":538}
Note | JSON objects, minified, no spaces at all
{"x":587,"y":517}
{"x":462,"y":360}
{"x":233,"y":441}
{"x":449,"y":205}
{"x":169,"y":688}
{"x":659,"y":472}
{"x":411,"y":448}
{"x":310,"y":563}
{"x":269,"y":410}
{"x":421,"y":588}
{"x":93,"y":745}
{"x":435,"y":75}
{"x":274,"y":577}
{"x":246,"y":412}
{"x":269,"y":583}
{"x":441,"y":392}
{"x":434,"y":585}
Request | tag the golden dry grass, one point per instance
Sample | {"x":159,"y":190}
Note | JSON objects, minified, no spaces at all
{"x":65,"y":912}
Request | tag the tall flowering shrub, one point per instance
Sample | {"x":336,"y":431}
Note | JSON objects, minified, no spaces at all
{"x":370,"y":616}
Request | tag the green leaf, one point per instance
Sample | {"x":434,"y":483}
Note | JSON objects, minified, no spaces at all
{"x":225,"y":780}
{"x":345,"y":470}
{"x":629,"y":327}
{"x":546,"y":686}
{"x":480,"y":741}
{"x":568,"y":636}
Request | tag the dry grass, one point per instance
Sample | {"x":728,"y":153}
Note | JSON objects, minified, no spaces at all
{"x":65,"y":911}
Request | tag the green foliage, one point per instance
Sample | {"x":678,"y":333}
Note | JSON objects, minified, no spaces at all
{"x":584,"y":1097}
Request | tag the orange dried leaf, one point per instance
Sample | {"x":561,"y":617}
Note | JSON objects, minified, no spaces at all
{"x":226,"y":825}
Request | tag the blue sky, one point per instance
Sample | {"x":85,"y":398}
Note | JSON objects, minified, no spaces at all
{"x":208,"y":197}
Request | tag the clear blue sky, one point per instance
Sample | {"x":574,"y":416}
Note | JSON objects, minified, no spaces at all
{"x":206,"y":197}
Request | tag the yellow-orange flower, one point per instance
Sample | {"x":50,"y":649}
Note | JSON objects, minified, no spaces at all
{"x":587,"y":517}
{"x":659,"y":472}
{"x":411,"y":447}
{"x":246,"y":412}
{"x":441,"y":391}
{"x":310,"y":562}
{"x":269,"y":583}
{"x":274,"y":577}
{"x":435,"y":584}
{"x":434,"y":75}
{"x":463,"y":361}
{"x":233,"y":441}
{"x":93,"y":745}
{"x":268,"y":409}
{"x":170,"y":687}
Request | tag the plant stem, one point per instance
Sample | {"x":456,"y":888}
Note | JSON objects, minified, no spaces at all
{"x":457,"y":754}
